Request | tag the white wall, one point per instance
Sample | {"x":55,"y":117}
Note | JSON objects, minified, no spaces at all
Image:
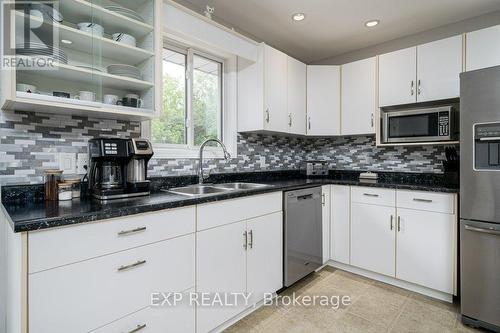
{"x":453,"y":29}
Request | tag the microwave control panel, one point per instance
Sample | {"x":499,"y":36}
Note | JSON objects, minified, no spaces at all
{"x":444,"y":123}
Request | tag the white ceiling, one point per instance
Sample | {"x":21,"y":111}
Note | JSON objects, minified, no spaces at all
{"x":334,"y":27}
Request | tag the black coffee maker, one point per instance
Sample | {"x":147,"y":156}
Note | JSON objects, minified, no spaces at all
{"x":118,"y":168}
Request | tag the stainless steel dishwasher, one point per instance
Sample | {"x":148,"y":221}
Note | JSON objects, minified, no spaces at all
{"x":302,"y":234}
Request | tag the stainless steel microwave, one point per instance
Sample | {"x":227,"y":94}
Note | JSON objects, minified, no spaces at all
{"x":420,"y":125}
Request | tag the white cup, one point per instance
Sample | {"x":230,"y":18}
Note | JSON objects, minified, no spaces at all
{"x":92,"y":28}
{"x":124,"y":38}
{"x":86,"y":96}
{"x":110,"y":99}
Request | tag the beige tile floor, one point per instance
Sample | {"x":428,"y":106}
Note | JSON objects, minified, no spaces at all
{"x":376,"y":307}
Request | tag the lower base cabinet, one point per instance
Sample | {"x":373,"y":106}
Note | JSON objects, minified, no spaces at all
{"x":180,"y":318}
{"x":373,"y":245}
{"x":425,"y":249}
{"x":84,"y":296}
{"x":340,"y":202}
{"x":242,"y":257}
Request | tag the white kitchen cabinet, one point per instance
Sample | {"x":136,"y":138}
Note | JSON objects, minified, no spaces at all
{"x":323,"y":100}
{"x":275,"y":90}
{"x":422,"y":73}
{"x":117,"y":284}
{"x":373,"y":236}
{"x":340,"y":200}
{"x":325,"y":215}
{"x":296,"y":96}
{"x":439,"y":65}
{"x":359,"y":87}
{"x":271,"y":93}
{"x":221,"y":267}
{"x":483,"y":48}
{"x":264,"y":255}
{"x":397,"y":77}
{"x":426,"y":244}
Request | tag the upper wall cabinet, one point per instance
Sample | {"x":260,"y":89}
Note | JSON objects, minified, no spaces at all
{"x":483,"y":48}
{"x":271,"y":93}
{"x":103,"y":48}
{"x":359,"y":86}
{"x":296,"y":100}
{"x":323,"y":100}
{"x":423,"y":73}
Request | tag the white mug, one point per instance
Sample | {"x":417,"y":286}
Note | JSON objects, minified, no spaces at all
{"x":86,"y":96}
{"x":110,"y":99}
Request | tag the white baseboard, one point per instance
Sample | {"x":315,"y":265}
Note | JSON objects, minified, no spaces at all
{"x":393,"y":281}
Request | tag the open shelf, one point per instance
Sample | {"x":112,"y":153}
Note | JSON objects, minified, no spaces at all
{"x":81,"y":11}
{"x":84,"y":41}
{"x":83,"y":75}
{"x":58,"y":105}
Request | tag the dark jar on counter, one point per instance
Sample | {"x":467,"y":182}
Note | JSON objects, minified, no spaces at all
{"x":51,"y":178}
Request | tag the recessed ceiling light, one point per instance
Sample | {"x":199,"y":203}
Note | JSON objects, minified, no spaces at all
{"x":298,"y":16}
{"x":372,"y":23}
{"x":66,"y":41}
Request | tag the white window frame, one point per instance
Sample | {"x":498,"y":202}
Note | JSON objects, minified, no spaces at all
{"x":228,"y":107}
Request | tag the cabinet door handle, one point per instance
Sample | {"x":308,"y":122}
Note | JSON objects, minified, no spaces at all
{"x":323,"y":199}
{"x":137,"y":329}
{"x":267,"y":115}
{"x":372,"y":120}
{"x":422,"y":200}
{"x":135,"y":264}
{"x":370,"y":195}
{"x":399,"y":223}
{"x":245,"y":240}
{"x":419,"y":89}
{"x":392,"y":223}
{"x":412,"y":85}
{"x":309,"y":122}
{"x":131,"y":231}
{"x":251,"y":239}
{"x":290,"y":119}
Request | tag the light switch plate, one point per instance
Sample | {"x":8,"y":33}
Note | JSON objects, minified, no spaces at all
{"x":67,"y":162}
{"x":81,"y":160}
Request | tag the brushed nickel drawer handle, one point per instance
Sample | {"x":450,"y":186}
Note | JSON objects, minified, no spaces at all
{"x":245,"y":240}
{"x":371,"y":195}
{"x":137,"y":329}
{"x":131,"y":231}
{"x":399,"y":223}
{"x":422,"y":200}
{"x":323,"y":199}
{"x":392,"y":224}
{"x":135,"y":264}
{"x":251,"y":239}
{"x":484,"y":231}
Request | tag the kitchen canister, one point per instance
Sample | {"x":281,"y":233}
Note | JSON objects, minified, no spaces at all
{"x":64,"y":191}
{"x":51,"y":178}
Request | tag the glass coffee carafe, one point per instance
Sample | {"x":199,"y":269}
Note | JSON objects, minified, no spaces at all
{"x":110,"y":175}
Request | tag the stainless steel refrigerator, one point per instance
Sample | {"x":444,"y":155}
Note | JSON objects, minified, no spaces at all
{"x":480,"y":197}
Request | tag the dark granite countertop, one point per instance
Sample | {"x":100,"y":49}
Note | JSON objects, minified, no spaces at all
{"x":27,"y":211}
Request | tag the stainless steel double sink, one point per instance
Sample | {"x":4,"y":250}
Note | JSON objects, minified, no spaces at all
{"x":212,"y":189}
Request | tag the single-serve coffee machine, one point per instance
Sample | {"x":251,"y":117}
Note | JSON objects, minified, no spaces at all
{"x":118,"y":167}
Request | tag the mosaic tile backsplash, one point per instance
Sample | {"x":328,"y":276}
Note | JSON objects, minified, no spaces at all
{"x":30,"y":142}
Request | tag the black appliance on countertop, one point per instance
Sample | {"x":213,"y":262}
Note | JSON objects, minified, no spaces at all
{"x":118,"y":168}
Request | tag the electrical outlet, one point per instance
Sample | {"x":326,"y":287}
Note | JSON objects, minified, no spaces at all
{"x":67,"y":162}
{"x":81,"y":161}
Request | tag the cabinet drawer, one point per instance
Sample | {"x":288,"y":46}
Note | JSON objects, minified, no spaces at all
{"x":429,"y":201}
{"x":62,"y":246}
{"x":374,"y":196}
{"x":89,"y":294}
{"x":219,"y":213}
{"x":155,"y":319}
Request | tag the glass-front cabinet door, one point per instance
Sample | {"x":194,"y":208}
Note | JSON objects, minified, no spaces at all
{"x":99,"y":57}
